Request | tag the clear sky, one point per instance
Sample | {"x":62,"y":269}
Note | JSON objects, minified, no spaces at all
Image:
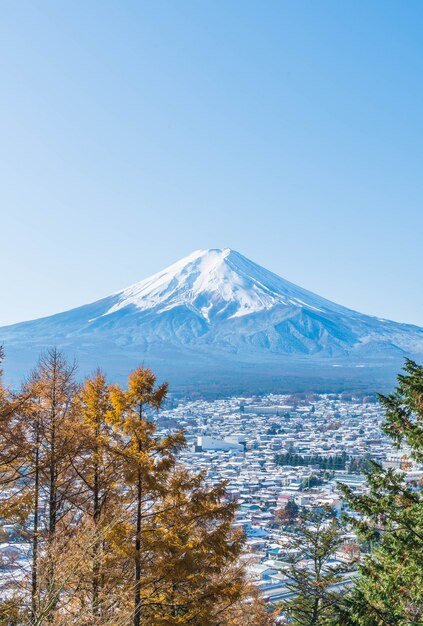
{"x":134,"y":132}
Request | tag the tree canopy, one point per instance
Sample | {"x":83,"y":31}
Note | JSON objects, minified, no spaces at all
{"x":389,"y":590}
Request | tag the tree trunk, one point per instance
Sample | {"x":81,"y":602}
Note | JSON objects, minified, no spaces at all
{"x":34,"y":581}
{"x":137,"y":596}
{"x":315,"y":613}
{"x":52,"y":485}
{"x":97,"y":543}
{"x":137,"y":599}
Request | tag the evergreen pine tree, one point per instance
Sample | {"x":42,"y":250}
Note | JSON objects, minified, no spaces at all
{"x":390,"y":588}
{"x":311,"y":574}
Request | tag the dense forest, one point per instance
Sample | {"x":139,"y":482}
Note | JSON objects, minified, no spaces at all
{"x":334,"y":462}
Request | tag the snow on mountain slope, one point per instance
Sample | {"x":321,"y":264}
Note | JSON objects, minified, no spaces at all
{"x":216,"y":283}
{"x":213,"y":306}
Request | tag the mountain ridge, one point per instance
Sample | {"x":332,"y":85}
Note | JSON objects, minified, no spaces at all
{"x":215,"y":306}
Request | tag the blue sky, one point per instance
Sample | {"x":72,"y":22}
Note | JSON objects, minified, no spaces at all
{"x":135,"y":132}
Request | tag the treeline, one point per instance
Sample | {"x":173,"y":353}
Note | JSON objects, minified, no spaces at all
{"x":335,"y":462}
{"x":113,"y":529}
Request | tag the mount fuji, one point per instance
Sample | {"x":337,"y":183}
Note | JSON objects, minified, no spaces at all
{"x":216,"y":318}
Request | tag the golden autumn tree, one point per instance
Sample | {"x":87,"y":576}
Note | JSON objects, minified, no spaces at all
{"x":184,"y":547}
{"x":120,"y":532}
{"x":195,"y":576}
{"x":13,"y":466}
{"x":98,"y":466}
{"x":40,"y":498}
{"x":52,"y":388}
{"x":147,"y":460}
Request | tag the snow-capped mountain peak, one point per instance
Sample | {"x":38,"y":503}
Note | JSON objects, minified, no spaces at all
{"x":215,"y":282}
{"x":214,"y":311}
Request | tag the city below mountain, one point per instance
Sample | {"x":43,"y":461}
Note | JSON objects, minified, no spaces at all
{"x":216,"y":320}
